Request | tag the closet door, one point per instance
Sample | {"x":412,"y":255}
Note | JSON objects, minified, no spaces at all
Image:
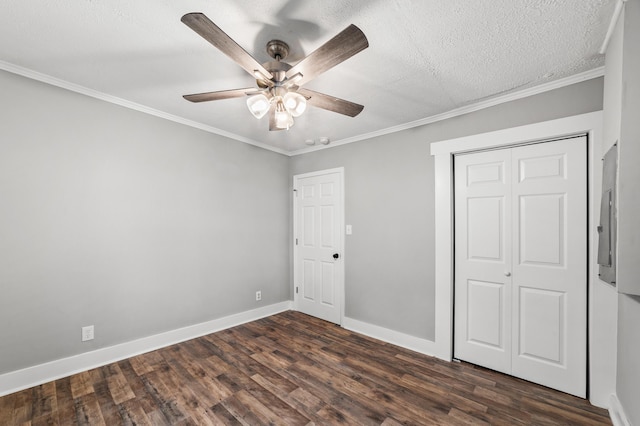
{"x":544,"y":283}
{"x":483,"y":259}
{"x":550,"y":264}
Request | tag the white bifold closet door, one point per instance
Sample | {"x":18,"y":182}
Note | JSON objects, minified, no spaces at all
{"x":521,"y":262}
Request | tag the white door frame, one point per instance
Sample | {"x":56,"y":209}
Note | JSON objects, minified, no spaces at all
{"x":340,"y":291}
{"x":443,"y":151}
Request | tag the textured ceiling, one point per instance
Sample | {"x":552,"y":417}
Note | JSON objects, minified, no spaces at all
{"x":425,"y":57}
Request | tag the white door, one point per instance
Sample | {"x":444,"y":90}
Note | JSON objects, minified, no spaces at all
{"x":521,"y":262}
{"x":318,"y":250}
{"x":482,"y":290}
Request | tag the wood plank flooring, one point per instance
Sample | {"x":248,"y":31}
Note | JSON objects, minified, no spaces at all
{"x":292,"y":369}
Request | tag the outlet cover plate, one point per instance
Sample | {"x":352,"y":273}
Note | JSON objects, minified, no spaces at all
{"x":87,"y":333}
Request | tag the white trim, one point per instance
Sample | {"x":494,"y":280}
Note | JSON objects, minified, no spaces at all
{"x":403,"y":340}
{"x":616,"y":412}
{"x":33,"y":376}
{"x":612,"y":26}
{"x":443,"y":169}
{"x":34,"y":75}
{"x":552,"y":129}
{"x":486,"y":103}
{"x":590,"y":123}
{"x":341,"y":249}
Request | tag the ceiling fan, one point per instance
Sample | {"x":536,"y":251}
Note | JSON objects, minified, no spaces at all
{"x":279,"y":90}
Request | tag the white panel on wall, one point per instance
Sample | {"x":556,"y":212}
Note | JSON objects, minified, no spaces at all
{"x":485,"y":228}
{"x":542,"y":325}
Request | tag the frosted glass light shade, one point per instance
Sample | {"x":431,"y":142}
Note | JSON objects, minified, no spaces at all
{"x":295,"y":103}
{"x":283,"y":117}
{"x":258,"y":105}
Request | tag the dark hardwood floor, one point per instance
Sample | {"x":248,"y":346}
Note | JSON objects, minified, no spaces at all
{"x":291,"y":369}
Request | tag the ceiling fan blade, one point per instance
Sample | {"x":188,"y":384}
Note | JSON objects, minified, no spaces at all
{"x":331,"y":103}
{"x":340,"y":48}
{"x":202,"y":25}
{"x":222,"y":94}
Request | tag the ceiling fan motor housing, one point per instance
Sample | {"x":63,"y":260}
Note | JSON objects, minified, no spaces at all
{"x":278,"y":49}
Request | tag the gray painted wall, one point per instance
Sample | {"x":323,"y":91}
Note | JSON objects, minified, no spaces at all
{"x":129,"y":222}
{"x":138,"y":225}
{"x":628,"y":375}
{"x":389,"y":197}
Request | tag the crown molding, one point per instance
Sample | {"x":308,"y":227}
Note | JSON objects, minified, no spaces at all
{"x":486,"y":103}
{"x":44,"y":78}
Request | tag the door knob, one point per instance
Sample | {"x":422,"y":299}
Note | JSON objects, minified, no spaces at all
{"x":507,"y":273}
{"x":336,"y":255}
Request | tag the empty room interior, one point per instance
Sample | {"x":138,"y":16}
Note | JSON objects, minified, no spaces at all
{"x":336,"y":212}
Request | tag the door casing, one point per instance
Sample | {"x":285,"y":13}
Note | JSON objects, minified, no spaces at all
{"x":443,"y":151}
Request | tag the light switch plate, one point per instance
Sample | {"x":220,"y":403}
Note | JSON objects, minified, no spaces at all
{"x":349,"y":230}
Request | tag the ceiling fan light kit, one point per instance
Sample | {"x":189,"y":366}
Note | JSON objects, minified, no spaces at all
{"x":295,"y":103}
{"x":258,"y":105}
{"x":279,"y":91}
{"x":290,"y":105}
{"x":283,"y":118}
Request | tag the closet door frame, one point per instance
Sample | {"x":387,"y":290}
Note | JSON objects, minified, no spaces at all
{"x":589,"y":124}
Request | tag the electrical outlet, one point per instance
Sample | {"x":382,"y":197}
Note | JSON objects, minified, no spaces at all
{"x":87,"y":333}
{"x":258,"y":295}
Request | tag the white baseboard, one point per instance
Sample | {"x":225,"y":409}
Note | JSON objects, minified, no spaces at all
{"x":616,"y":412}
{"x":33,"y":376}
{"x":397,"y":338}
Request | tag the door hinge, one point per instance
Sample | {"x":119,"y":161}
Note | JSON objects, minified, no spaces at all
{"x":296,"y":289}
{"x":296,"y":241}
